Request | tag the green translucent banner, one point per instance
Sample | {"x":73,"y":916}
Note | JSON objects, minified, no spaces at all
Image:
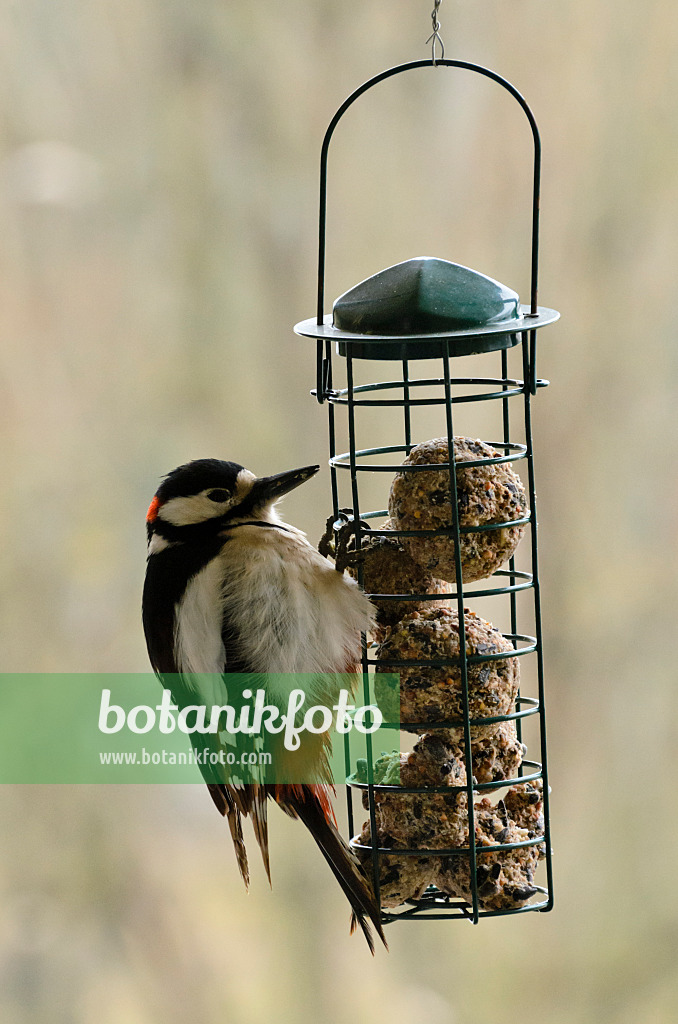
{"x":231,"y":729}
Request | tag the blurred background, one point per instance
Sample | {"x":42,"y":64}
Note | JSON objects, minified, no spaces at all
{"x":158,"y":201}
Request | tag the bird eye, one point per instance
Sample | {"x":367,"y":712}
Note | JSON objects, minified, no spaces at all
{"x":218,"y":495}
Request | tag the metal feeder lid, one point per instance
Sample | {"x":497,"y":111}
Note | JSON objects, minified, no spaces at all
{"x":423,"y":296}
{"x":411,"y":309}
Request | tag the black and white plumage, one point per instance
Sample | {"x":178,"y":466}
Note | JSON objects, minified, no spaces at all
{"x":231,"y":588}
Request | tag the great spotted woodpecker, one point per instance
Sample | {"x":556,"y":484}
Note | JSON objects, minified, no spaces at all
{"x":231,"y":588}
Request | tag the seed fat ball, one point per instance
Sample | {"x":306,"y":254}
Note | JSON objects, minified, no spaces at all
{"x":485,"y":494}
{"x":430,"y":694}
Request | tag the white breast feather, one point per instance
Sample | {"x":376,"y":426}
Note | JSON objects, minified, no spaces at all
{"x":198,"y":643}
{"x":289,"y":608}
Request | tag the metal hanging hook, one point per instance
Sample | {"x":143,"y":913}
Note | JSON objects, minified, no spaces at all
{"x":435,"y":35}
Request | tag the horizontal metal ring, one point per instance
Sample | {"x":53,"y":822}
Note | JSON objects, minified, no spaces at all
{"x":343,"y":461}
{"x":450,"y":851}
{"x":449,"y":531}
{"x":512,"y":588}
{"x":409,"y":402}
{"x":458,"y":723}
{"x":471,"y":659}
{"x":509,"y":389}
{"x":477,"y":786}
{"x":418,"y":910}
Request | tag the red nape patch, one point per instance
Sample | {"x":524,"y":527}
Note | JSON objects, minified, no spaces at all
{"x":152,"y":513}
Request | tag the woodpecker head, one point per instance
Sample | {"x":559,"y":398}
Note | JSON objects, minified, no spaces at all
{"x":200,"y":498}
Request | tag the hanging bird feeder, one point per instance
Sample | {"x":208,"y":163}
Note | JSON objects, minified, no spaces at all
{"x":458,"y":824}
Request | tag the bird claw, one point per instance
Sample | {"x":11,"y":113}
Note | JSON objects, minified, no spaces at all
{"x":335,"y":542}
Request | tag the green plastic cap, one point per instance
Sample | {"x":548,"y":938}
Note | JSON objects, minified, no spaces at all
{"x":424,"y":296}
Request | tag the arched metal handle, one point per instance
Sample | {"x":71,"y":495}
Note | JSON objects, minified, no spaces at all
{"x":323,"y":383}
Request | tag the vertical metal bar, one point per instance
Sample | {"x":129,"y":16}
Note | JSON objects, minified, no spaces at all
{"x":504,"y":387}
{"x":506,"y":415}
{"x":320,"y":300}
{"x":463,"y":664}
{"x":322,"y":225}
{"x":536,"y":186}
{"x":322,"y":245}
{"x":365,"y":668}
{"x":349,"y":791}
{"x":527,"y":371}
{"x":533,"y":362}
{"x":352,"y":458}
{"x":333,"y":440}
{"x":319,"y":373}
{"x":406,"y":407}
{"x":335,"y":509}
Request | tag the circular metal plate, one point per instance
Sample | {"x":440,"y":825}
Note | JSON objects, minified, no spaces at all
{"x":525,"y":322}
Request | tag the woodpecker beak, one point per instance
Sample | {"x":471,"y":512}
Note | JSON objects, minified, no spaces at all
{"x":268,"y":489}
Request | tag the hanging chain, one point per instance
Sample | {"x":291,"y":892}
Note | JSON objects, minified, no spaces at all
{"x":435,"y":35}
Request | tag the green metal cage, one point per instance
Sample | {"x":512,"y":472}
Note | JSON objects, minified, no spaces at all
{"x":515,"y":589}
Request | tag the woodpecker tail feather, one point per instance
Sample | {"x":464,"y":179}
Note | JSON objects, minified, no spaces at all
{"x":226,"y":805}
{"x":341,"y":860}
{"x":258,"y":810}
